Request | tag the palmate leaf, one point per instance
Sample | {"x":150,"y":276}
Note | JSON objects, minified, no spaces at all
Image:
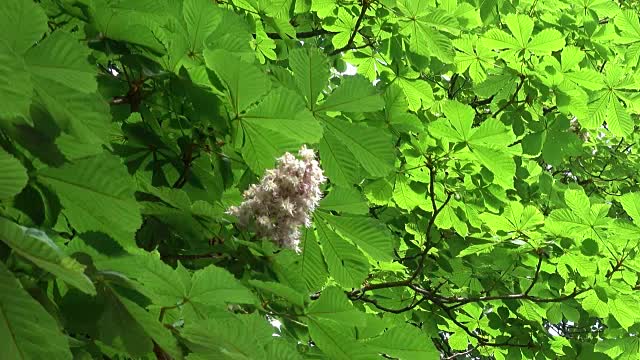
{"x":13,"y":177}
{"x":131,"y":22}
{"x":231,"y":34}
{"x":419,"y":93}
{"x":631,"y":204}
{"x":476,"y":60}
{"x":368,"y":234}
{"x":628,"y":23}
{"x":404,"y":342}
{"x":338,"y":163}
{"x":279,"y":123}
{"x":201,"y":19}
{"x":23,"y":24}
{"x":216,"y":286}
{"x":283,"y":111}
{"x":228,"y":336}
{"x":355,"y":94}
{"x":345,"y":199}
{"x":372,"y":148}
{"x":24,"y":324}
{"x":333,"y":306}
{"x":84,"y":116}
{"x":37,"y":247}
{"x":619,"y":121}
{"x":15,"y":83}
{"x":97,"y":195}
{"x":347,"y":265}
{"x":279,"y":290}
{"x":311,"y":72}
{"x":501,"y":164}
{"x":546,"y":41}
{"x":521,"y":27}
{"x":151,"y":327}
{"x":62,"y":59}
{"x":488,"y":142}
{"x":405,"y":196}
{"x":245,"y":82}
{"x":262,"y":146}
{"x":125,"y":326}
{"x":312,"y":266}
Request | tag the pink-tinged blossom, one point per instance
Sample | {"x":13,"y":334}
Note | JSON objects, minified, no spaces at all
{"x":284,"y":200}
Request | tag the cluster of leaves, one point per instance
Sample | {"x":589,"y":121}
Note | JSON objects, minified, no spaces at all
{"x":482,"y":197}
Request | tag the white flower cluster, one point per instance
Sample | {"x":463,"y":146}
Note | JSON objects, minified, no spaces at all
{"x":284,"y":199}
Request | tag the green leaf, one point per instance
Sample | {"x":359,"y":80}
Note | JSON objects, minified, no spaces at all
{"x":460,"y":116}
{"x":631,"y":204}
{"x":311,"y":72}
{"x":521,"y":27}
{"x":23,"y":24}
{"x":355,"y":94}
{"x":373,"y":148}
{"x":403,"y":342}
{"x":201,"y":18}
{"x":282,"y":111}
{"x":13,"y":177}
{"x":37,"y":247}
{"x":498,"y":162}
{"x":546,"y":41}
{"x":368,"y":234}
{"x":97,"y":195}
{"x":334,"y":306}
{"x":618,"y":120}
{"x":345,"y":199}
{"x":228,"y":336}
{"x":347,"y":265}
{"x":216,"y":286}
{"x":161,"y":280}
{"x":339,"y":164}
{"x":24,"y":324}
{"x":419,"y":93}
{"x":262,"y":146}
{"x":15,"y":84}
{"x":312,"y":265}
{"x":335,"y":340}
{"x":148,"y":324}
{"x":280,"y":290}
{"x":60,"y":58}
{"x":245,"y":82}
{"x":405,"y":196}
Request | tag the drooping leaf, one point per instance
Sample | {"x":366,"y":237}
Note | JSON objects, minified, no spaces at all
{"x":42,"y":251}
{"x":14,"y":176}
{"x":346,"y":264}
{"x":97,"y":195}
{"x":24,"y":323}
{"x":24,"y":23}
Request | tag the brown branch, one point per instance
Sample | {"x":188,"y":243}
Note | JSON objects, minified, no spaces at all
{"x":191,"y":256}
{"x":452,"y":84}
{"x":513,"y":97}
{"x":536,"y":275}
{"x":459,"y":301}
{"x":413,"y":305}
{"x":187,"y":160}
{"x":303,"y":34}
{"x":363,"y":11}
{"x":432,"y":220}
{"x":455,"y":355}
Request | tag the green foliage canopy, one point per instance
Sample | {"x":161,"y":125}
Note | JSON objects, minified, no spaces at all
{"x":482,"y":199}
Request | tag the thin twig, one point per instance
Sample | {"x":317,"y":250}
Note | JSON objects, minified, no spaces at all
{"x":363,"y":11}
